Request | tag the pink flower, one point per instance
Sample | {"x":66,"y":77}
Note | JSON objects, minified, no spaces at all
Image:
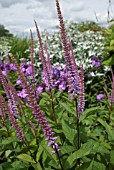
{"x":22,"y":94}
{"x":99,"y":97}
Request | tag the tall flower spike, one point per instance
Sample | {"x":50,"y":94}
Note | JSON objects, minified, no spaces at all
{"x":32,"y":56}
{"x":48,"y":57}
{"x":43,"y":60}
{"x":73,"y":80}
{"x":3,"y":108}
{"x":12,"y":109}
{"x":36,"y":111}
{"x":32,"y":61}
{"x":81,"y":102}
{"x":4,"y":83}
{"x":16,"y":97}
{"x":73,"y":58}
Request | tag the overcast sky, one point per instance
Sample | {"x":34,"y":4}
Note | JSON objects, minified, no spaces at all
{"x":18,"y":15}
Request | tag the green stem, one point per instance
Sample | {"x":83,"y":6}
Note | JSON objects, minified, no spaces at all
{"x":29,"y":150}
{"x":53,"y":110}
{"x":78,"y":132}
{"x":59,"y":160}
{"x":78,"y":128}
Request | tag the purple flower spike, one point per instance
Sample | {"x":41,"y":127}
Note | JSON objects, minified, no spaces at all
{"x":22,"y":94}
{"x":18,"y":82}
{"x":62,"y":86}
{"x":99,"y":97}
{"x":39,"y":90}
{"x":12,"y":67}
{"x":29,"y":71}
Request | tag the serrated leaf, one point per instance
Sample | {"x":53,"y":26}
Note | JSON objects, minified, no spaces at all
{"x":47,"y":153}
{"x":45,"y":95}
{"x":9,"y":140}
{"x":26,"y":158}
{"x":98,"y":165}
{"x":18,"y":165}
{"x":93,"y":165}
{"x":89,"y":111}
{"x":110,"y":60}
{"x":68,"y":108}
{"x":67,"y":149}
{"x":37,"y":166}
{"x":40,"y":150}
{"x":69,"y":132}
{"x":112,"y":157}
{"x":7,"y":153}
{"x":33,"y":142}
{"x":108,"y":129}
{"x":85,"y":166}
{"x":76,"y":155}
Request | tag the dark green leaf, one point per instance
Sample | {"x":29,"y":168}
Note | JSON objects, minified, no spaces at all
{"x":69,"y":132}
{"x":108,"y":128}
{"x":89,"y":111}
{"x":26,"y":158}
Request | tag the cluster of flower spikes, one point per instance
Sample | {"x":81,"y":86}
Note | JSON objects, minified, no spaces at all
{"x":10,"y":109}
{"x":7,"y":66}
{"x":23,"y":70}
{"x":75,"y":81}
{"x":52,"y":77}
{"x":58,"y":76}
{"x":36,"y":111}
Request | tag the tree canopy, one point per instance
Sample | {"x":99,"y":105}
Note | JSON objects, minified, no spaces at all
{"x":4,"y":32}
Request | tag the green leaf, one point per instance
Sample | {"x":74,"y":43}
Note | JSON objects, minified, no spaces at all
{"x":9,"y":140}
{"x":19,"y":165}
{"x":98,"y":165}
{"x":76,"y":155}
{"x":89,"y":111}
{"x":89,"y":145}
{"x":33,"y":142}
{"x":1,"y":167}
{"x":47,"y":153}
{"x":26,"y":158}
{"x":3,"y":132}
{"x":38,"y":155}
{"x":5,"y":166}
{"x":85,"y":150}
{"x":37,"y":166}
{"x":67,"y":149}
{"x":108,"y":31}
{"x":45,"y":95}
{"x":112,"y":42}
{"x":112,"y":157}
{"x":99,"y":148}
{"x":69,"y":132}
{"x":68,"y":108}
{"x":109,"y":130}
{"x":110,"y":60}
{"x":7,"y":153}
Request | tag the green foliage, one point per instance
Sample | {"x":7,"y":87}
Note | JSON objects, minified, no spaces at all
{"x":109,"y":47}
{"x":86,"y":141}
{"x":4,"y":32}
{"x":19,"y":48}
